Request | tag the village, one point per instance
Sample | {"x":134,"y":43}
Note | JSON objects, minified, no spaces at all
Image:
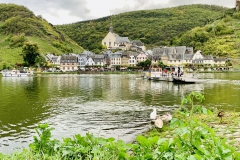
{"x":122,"y":53}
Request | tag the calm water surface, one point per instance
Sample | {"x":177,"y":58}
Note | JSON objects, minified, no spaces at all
{"x":105,"y":105}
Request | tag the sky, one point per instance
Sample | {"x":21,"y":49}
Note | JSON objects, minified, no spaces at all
{"x":71,"y":11}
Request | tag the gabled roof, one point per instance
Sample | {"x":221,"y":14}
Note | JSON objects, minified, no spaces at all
{"x":180,"y":49}
{"x":188,"y":56}
{"x":55,"y":58}
{"x":116,"y":35}
{"x":137,"y":43}
{"x":88,"y":53}
{"x":208,"y":57}
{"x":189,"y":50}
{"x":68,"y":57}
{"x":126,"y":54}
{"x":83,"y":58}
{"x":99,"y":56}
{"x":116,"y":55}
{"x":219,"y":59}
{"x":122,"y":39}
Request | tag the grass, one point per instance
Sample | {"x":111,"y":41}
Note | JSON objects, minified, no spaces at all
{"x":229,"y":128}
{"x":11,"y":56}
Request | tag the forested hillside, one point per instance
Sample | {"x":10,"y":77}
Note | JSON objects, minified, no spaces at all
{"x":19,"y":25}
{"x":153,"y":27}
{"x":220,"y":38}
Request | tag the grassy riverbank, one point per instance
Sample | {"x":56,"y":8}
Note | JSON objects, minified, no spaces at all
{"x":194,"y":133}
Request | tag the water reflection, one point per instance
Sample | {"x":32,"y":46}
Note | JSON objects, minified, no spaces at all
{"x":105,"y":105}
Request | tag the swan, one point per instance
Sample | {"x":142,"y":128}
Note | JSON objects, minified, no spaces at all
{"x":166,"y":118}
{"x":158,"y":122}
{"x":153,"y":115}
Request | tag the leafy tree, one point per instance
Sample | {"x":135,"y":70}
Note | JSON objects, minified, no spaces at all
{"x":40,"y":61}
{"x":4,"y":66}
{"x":144,"y":64}
{"x":30,"y":52}
{"x":148,"y":63}
{"x":160,"y":64}
{"x":141,"y":64}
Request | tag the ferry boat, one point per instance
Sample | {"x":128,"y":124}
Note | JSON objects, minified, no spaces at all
{"x":187,"y":79}
{"x":16,"y":73}
{"x":158,"y":74}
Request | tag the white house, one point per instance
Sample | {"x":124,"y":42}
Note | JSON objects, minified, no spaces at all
{"x":132,"y":59}
{"x":90,"y":62}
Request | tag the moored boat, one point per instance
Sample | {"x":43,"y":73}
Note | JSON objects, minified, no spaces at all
{"x":187,"y":79}
{"x":16,"y":73}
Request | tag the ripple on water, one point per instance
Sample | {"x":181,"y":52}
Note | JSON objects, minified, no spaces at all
{"x":107,"y":118}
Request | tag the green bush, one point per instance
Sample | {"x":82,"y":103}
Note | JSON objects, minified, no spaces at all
{"x":17,"y":40}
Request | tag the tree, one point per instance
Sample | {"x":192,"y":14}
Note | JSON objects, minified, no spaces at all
{"x":144,"y":64}
{"x":160,"y":64}
{"x":148,"y":63}
{"x":30,"y":52}
{"x":40,"y":61}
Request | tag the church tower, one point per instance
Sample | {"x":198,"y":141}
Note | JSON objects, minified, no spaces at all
{"x":111,"y":28}
{"x":237,"y":4}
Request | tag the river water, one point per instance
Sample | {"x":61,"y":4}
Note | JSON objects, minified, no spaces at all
{"x":106,"y":105}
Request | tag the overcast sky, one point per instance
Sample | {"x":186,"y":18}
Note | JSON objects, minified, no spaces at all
{"x":70,"y":11}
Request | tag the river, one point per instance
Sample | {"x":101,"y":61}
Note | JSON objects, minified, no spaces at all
{"x":115,"y":105}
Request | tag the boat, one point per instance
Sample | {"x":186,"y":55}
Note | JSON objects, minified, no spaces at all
{"x":16,"y":73}
{"x":187,"y":79}
{"x":157,"y":74}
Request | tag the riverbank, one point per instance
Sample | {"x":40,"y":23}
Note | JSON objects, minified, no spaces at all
{"x":194,"y":133}
{"x":227,"y":128}
{"x":149,"y":145}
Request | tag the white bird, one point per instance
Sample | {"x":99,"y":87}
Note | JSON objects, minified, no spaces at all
{"x":153,"y":115}
{"x":166,"y":118}
{"x":158,"y":122}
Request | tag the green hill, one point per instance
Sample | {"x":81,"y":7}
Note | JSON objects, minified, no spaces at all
{"x":18,"y":25}
{"x":220,"y":38}
{"x":153,"y":27}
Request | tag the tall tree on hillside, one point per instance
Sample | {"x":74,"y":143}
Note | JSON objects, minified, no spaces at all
{"x":30,"y":52}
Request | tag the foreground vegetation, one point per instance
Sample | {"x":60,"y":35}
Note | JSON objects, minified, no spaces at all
{"x":187,"y":137}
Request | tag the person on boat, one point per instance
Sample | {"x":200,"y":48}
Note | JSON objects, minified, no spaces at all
{"x":179,"y":71}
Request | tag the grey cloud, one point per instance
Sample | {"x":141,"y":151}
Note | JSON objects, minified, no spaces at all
{"x":76,"y":8}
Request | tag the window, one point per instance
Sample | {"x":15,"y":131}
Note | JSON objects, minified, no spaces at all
{"x":105,"y":43}
{"x":109,"y":44}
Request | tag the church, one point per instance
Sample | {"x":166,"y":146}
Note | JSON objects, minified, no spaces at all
{"x":114,"y":41}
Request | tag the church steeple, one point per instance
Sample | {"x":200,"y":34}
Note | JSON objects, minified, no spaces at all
{"x":111,"y":28}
